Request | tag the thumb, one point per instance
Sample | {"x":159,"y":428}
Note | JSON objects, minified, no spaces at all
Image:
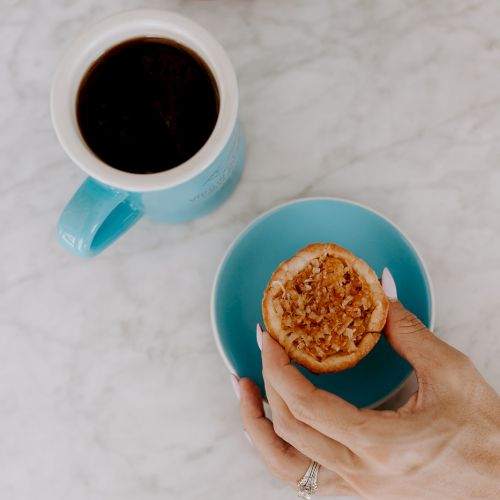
{"x":410,"y":338}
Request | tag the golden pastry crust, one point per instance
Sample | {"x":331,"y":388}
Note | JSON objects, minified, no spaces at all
{"x":326,"y":307}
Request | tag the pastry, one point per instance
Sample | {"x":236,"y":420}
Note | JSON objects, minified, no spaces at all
{"x":326,"y":307}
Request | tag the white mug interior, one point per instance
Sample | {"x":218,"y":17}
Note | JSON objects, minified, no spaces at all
{"x":108,"y":33}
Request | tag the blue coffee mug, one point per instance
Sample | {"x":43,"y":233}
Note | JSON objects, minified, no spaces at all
{"x":111,"y":201}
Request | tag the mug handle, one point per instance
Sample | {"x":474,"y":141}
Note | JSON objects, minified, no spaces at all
{"x":95,"y":217}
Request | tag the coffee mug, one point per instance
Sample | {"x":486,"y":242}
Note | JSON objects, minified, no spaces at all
{"x":111,"y":201}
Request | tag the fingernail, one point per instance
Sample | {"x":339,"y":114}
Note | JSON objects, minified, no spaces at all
{"x":259,"y":333}
{"x":389,"y":285}
{"x":236,"y":385}
{"x":249,"y":439}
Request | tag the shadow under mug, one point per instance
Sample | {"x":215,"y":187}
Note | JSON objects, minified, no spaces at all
{"x":111,"y":201}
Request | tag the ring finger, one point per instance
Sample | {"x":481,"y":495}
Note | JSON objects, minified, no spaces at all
{"x":282,"y":459}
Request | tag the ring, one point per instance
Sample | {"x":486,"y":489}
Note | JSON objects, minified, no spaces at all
{"x":308,"y":485}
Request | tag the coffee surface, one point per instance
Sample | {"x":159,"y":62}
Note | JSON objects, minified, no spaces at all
{"x":147,"y":105}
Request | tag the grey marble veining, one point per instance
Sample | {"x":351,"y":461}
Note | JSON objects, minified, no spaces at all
{"x":110,"y":385}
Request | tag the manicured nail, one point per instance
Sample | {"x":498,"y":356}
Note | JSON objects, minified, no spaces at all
{"x":249,"y":439}
{"x":259,"y":333}
{"x":389,"y":285}
{"x":236,"y":385}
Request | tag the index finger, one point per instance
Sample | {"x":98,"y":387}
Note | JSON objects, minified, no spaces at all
{"x":332,"y":416}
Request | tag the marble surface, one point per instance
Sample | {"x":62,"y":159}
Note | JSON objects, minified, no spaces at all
{"x":110,"y":384}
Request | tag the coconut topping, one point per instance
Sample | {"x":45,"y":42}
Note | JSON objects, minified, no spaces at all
{"x":325,"y":308}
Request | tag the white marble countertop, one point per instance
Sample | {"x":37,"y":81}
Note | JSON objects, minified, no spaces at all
{"x":110,"y":384}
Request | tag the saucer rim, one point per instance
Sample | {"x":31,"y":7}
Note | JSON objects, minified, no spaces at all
{"x":258,"y":219}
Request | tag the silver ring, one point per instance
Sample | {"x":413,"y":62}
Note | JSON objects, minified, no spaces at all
{"x":308,"y":485}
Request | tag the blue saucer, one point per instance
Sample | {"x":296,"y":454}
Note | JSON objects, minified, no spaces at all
{"x":276,"y":236}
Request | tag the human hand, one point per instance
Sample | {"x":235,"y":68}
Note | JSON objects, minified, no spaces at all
{"x":444,"y":443}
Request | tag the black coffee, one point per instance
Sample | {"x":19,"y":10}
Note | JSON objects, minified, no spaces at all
{"x":147,"y":105}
